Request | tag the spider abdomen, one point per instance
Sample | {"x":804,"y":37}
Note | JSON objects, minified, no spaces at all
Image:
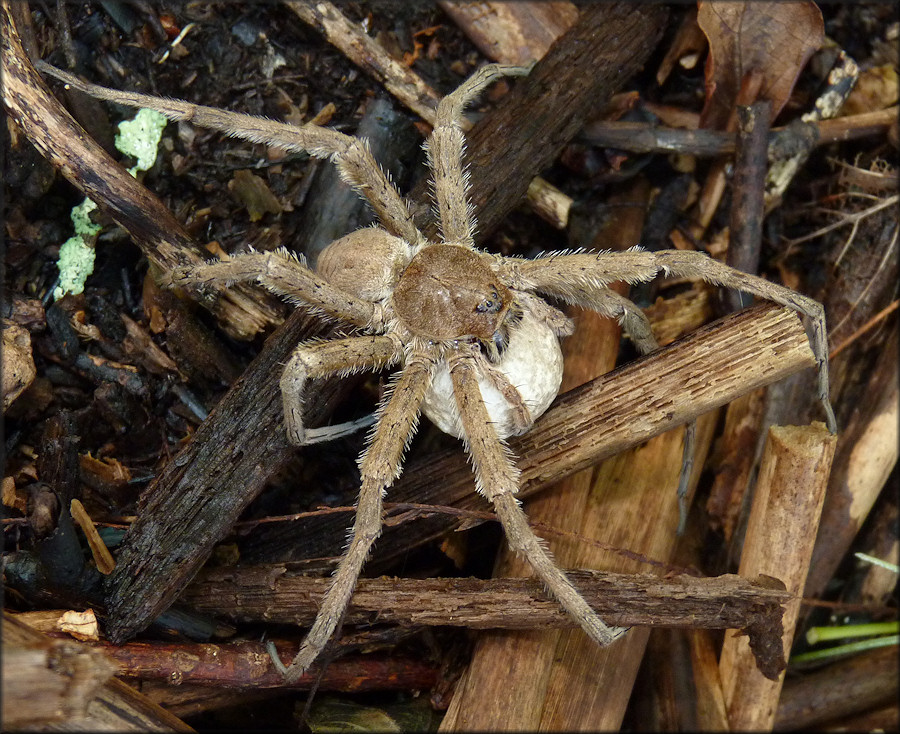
{"x":366,"y":263}
{"x":532,"y":363}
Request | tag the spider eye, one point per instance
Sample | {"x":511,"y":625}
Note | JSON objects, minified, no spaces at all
{"x":490,"y":305}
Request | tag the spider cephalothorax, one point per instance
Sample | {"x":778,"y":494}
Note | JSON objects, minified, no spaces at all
{"x":477,"y":348}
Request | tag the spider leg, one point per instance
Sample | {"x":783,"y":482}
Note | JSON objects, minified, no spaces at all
{"x":577,"y":276}
{"x":320,"y":359}
{"x":497,"y":478}
{"x":445,"y":153}
{"x":351,"y":155}
{"x":521,"y":415}
{"x":693,"y":264}
{"x":379,"y":467}
{"x":637,"y":328}
{"x":285,"y":276}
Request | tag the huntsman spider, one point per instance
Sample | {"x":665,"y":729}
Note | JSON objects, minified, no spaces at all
{"x":476,"y":345}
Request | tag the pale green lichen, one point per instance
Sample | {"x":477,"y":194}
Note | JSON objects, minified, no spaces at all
{"x":76,"y":255}
{"x":138,"y":138}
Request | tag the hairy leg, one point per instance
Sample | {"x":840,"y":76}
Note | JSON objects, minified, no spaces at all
{"x":577,"y":277}
{"x":497,"y":478}
{"x":699,"y":265}
{"x":351,"y":155}
{"x":379,"y":466}
{"x":320,"y":359}
{"x":637,"y":328}
{"x":286,"y":276}
{"x":445,"y":153}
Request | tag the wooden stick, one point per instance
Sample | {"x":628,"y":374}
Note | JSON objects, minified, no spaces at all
{"x":735,"y":461}
{"x":710,"y":700}
{"x":512,"y":33}
{"x":866,"y":456}
{"x":843,"y":688}
{"x":790,"y":491}
{"x":247,"y":665}
{"x":275,"y":593}
{"x":747,"y":204}
{"x":110,"y":706}
{"x":46,"y":680}
{"x":645,"y":137}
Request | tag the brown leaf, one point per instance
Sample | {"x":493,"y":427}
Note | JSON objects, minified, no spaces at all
{"x":18,"y":364}
{"x":254,"y":193}
{"x":80,"y":625}
{"x":769,"y":40}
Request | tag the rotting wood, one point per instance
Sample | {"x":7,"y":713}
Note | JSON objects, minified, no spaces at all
{"x":113,"y":706}
{"x":644,"y":137}
{"x":843,"y":688}
{"x":781,"y":532}
{"x":274,"y":593}
{"x":243,"y":311}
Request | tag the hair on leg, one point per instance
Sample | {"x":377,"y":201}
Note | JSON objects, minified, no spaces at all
{"x":497,"y":478}
{"x":694,"y":264}
{"x":286,"y":276}
{"x":352,"y":157}
{"x":379,"y":467}
{"x":320,"y":359}
{"x":445,"y":153}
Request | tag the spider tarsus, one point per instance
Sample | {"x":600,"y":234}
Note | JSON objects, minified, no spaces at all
{"x":684,"y":479}
{"x":276,"y":660}
{"x":338,"y":430}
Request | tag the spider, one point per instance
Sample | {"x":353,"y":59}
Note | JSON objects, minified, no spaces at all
{"x":477,"y":347}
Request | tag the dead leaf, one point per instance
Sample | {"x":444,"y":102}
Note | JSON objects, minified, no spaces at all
{"x":772,"y":40}
{"x":106,"y":564}
{"x":18,"y":364}
{"x":254,"y":193}
{"x":875,"y":90}
{"x":80,"y":625}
